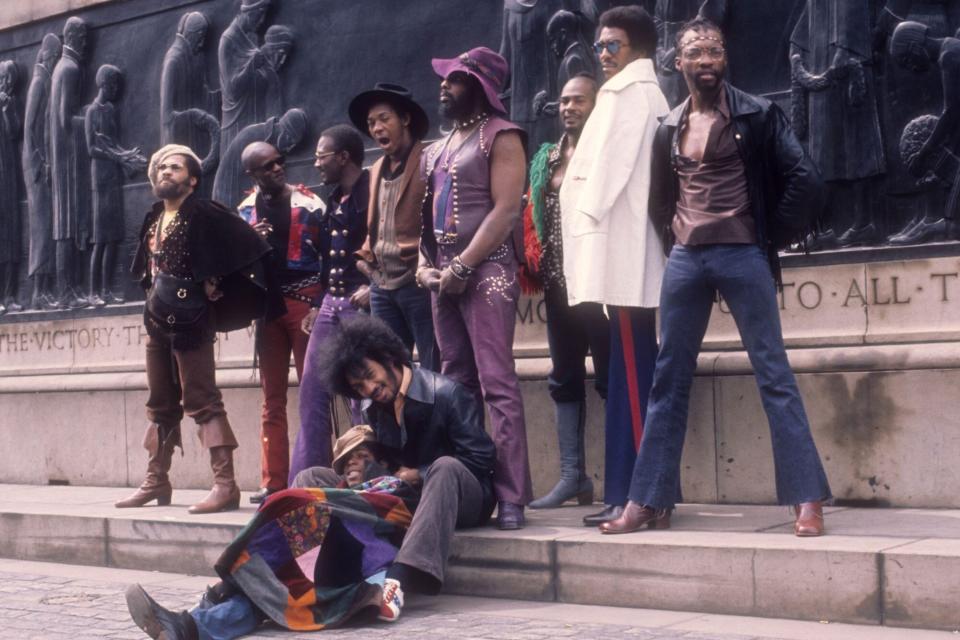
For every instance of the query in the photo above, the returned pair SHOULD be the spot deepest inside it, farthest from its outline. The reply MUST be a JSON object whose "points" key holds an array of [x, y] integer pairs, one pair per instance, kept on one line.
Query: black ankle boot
{"points": [[610, 512], [156, 621]]}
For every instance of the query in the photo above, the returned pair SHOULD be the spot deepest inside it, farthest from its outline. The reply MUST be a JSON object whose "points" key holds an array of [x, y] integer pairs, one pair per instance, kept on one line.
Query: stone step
{"points": [[896, 567]]}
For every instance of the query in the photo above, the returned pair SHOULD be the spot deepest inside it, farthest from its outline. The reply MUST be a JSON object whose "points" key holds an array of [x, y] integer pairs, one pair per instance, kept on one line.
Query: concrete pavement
{"points": [[46, 601]]}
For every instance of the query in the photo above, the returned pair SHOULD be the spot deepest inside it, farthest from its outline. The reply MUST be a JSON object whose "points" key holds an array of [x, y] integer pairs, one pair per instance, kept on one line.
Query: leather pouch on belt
{"points": [[176, 304]]}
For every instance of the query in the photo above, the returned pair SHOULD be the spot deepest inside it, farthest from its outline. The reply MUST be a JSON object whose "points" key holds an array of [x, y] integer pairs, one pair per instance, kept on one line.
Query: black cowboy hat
{"points": [[392, 94]]}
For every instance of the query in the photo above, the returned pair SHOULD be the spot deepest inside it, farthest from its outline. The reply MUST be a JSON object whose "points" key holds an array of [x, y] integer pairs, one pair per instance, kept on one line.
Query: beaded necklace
{"points": [[469, 123]]}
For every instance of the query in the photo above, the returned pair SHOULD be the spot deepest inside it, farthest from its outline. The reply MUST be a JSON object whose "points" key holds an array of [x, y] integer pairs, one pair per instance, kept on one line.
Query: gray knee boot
{"points": [[573, 478]]}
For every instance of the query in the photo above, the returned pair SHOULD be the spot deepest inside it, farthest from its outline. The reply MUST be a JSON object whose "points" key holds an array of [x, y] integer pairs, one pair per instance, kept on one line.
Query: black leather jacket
{"points": [[785, 189], [440, 418]]}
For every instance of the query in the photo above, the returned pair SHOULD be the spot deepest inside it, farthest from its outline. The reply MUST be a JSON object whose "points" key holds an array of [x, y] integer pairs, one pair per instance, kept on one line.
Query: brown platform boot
{"points": [[225, 494], [160, 442]]}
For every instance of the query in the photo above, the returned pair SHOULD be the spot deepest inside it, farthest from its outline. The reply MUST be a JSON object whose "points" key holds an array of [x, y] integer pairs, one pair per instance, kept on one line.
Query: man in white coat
{"points": [[615, 257]]}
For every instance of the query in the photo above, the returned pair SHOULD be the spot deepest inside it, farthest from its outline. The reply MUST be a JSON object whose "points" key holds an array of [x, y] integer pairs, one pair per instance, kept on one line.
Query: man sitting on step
{"points": [[429, 432], [432, 427]]}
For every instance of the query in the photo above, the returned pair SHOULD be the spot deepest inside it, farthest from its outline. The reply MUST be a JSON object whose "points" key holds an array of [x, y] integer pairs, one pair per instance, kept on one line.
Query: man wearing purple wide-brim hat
{"points": [[475, 178]]}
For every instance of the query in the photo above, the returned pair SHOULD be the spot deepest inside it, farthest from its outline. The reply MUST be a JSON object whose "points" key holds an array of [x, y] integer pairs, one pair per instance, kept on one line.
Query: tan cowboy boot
{"points": [[217, 436], [160, 442], [225, 494]]}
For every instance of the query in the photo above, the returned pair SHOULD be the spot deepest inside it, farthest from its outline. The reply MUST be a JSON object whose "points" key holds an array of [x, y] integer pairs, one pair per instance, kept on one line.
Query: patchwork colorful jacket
{"points": [[306, 211]]}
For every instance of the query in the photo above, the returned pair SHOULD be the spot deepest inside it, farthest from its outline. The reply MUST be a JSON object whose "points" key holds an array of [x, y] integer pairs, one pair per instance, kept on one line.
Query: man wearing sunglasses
{"points": [[730, 184], [474, 179], [611, 253], [288, 218]]}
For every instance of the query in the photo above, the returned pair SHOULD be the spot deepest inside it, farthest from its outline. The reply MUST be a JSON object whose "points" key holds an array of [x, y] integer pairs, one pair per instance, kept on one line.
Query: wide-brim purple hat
{"points": [[484, 64]]}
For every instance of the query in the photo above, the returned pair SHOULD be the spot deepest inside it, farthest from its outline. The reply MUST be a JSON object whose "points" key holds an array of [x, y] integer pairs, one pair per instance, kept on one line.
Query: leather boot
{"points": [[636, 517], [809, 521], [225, 494], [157, 622], [160, 441], [573, 482]]}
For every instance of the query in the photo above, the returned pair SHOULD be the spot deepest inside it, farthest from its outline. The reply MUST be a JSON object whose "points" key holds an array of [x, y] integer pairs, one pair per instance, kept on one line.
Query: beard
{"points": [[451, 110], [170, 190], [708, 84], [458, 108]]}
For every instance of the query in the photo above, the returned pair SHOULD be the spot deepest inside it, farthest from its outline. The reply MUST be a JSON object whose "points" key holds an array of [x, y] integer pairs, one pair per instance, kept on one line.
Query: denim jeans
{"points": [[313, 446], [408, 313], [741, 274], [234, 617]]}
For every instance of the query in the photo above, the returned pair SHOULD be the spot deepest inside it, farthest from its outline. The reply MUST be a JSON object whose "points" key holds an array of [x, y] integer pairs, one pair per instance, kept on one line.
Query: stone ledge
{"points": [[15, 13], [889, 357], [719, 559], [133, 377]]}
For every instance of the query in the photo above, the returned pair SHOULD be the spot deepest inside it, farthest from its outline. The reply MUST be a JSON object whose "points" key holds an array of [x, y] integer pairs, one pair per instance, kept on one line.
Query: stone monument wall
{"points": [[872, 332]]}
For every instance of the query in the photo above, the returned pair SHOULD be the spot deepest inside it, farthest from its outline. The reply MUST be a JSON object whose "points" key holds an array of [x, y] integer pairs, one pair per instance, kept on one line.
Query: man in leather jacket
{"points": [[432, 427], [204, 266], [731, 183]]}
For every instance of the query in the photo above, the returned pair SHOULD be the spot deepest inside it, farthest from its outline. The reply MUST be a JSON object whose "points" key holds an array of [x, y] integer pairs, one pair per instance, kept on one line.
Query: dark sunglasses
{"points": [[273, 164], [613, 46]]}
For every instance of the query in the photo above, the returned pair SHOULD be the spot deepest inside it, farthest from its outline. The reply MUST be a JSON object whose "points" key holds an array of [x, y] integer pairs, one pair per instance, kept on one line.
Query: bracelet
{"points": [[460, 270], [416, 276]]}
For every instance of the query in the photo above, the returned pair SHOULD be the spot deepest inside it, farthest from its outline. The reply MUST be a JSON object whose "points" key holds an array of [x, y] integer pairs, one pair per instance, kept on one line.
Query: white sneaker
{"points": [[392, 601]]}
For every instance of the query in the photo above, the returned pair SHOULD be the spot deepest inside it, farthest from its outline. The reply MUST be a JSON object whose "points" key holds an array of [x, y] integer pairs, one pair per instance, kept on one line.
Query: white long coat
{"points": [[611, 253]]}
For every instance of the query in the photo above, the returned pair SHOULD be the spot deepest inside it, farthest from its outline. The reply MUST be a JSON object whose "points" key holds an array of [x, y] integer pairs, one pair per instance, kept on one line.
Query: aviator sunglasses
{"points": [[613, 46]]}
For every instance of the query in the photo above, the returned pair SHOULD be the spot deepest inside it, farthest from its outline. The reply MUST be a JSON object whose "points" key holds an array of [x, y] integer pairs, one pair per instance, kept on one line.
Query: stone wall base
{"points": [[889, 435]]}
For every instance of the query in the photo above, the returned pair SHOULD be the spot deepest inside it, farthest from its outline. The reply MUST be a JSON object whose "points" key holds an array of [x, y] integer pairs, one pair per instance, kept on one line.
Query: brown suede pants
{"points": [[184, 382]]}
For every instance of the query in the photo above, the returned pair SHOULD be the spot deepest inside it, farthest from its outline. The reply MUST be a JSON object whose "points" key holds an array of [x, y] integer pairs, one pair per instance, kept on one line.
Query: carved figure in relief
{"points": [[36, 175], [931, 144], [66, 152], [242, 64], [574, 53], [524, 46], [277, 43], [836, 113], [186, 102], [108, 162], [9, 196], [284, 133]]}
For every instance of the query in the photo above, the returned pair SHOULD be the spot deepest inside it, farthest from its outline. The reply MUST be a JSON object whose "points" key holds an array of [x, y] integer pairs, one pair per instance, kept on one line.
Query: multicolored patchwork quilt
{"points": [[305, 557]]}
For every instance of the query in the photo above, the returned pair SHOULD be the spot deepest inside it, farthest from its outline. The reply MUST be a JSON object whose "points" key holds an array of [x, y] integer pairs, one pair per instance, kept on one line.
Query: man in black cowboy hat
{"points": [[389, 115]]}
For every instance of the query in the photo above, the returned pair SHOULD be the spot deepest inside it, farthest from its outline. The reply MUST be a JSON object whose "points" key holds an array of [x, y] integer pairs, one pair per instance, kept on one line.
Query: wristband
{"points": [[459, 269]]}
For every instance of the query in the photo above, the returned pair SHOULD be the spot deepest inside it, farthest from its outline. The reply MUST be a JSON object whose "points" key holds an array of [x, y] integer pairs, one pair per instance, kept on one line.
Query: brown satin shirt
{"points": [[713, 205]]}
